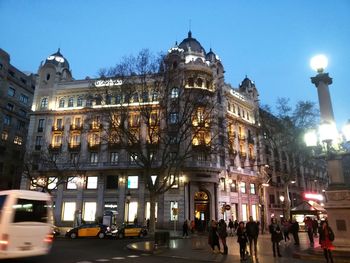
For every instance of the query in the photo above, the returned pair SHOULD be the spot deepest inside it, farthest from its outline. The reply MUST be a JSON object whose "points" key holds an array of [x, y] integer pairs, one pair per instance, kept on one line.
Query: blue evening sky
{"points": [[271, 41]]}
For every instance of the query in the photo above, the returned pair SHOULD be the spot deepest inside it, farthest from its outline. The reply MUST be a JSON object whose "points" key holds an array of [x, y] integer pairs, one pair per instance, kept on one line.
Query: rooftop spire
{"points": [[189, 34]]}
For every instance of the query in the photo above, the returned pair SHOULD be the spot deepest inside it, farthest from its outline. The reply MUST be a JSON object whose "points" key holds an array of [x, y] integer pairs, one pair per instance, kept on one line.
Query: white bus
{"points": [[25, 223]]}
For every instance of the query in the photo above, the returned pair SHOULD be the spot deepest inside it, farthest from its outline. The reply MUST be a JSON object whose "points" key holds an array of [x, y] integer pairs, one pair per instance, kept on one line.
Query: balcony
{"points": [[252, 157], [114, 145], [74, 127], [94, 146], [55, 147], [74, 147], [242, 155], [96, 126], [57, 128]]}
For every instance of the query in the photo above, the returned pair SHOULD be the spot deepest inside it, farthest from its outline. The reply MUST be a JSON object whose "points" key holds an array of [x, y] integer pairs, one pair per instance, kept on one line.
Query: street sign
{"points": [[227, 207]]}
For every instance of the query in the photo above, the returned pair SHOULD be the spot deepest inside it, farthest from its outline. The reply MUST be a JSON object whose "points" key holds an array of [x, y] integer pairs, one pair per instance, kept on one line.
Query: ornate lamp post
{"points": [[282, 201], [332, 146]]}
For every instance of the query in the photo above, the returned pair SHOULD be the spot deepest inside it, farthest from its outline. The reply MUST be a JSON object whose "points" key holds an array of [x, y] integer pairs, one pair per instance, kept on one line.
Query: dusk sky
{"points": [[271, 41]]}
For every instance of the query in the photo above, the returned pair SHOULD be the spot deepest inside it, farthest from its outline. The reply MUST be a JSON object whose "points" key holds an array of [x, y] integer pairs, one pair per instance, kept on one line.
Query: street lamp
{"points": [[128, 198], [282, 201], [326, 142]]}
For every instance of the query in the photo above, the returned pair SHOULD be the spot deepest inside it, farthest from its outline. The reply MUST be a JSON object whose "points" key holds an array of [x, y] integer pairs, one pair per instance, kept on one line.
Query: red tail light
{"points": [[48, 238], [4, 241]]}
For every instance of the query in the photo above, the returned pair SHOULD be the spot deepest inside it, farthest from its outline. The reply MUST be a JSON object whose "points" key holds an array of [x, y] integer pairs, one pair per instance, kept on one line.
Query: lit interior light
{"points": [[319, 63]]}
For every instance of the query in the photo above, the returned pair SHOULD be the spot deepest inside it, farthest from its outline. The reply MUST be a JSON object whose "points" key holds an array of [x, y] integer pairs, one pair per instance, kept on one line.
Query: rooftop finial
{"points": [[189, 34]]}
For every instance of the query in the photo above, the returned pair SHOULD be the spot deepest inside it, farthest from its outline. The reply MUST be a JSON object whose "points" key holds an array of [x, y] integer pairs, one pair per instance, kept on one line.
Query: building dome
{"points": [[191, 45], [58, 60], [211, 56]]}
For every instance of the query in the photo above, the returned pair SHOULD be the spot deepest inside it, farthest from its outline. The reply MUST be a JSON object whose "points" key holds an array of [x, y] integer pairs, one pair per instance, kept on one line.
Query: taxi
{"points": [[130, 230], [88, 230]]}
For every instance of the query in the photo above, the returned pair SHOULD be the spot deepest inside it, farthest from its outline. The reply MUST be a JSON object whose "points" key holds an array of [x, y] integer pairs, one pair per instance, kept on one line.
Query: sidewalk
{"points": [[196, 248]]}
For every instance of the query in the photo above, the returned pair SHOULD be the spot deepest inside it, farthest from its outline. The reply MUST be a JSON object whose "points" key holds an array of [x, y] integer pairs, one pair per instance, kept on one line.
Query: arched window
{"points": [[190, 82], [44, 103], [174, 93], [48, 76], [80, 102], [199, 82], [71, 102], [61, 104]]}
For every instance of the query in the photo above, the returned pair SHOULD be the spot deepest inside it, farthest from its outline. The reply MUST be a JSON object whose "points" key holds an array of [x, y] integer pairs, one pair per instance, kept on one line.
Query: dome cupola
{"points": [[191, 45], [58, 60]]}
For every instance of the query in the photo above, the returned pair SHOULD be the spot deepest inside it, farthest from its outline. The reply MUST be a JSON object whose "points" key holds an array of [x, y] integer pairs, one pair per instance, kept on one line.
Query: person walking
{"points": [[230, 226], [326, 236], [222, 232], [185, 229], [252, 233], [294, 229], [213, 238], [235, 226], [286, 228], [314, 226], [309, 229], [276, 237], [242, 239]]}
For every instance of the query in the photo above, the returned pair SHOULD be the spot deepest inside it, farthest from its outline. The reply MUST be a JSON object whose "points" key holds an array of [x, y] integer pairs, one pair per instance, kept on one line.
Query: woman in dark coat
{"points": [[326, 238], [276, 237], [213, 238], [242, 239]]}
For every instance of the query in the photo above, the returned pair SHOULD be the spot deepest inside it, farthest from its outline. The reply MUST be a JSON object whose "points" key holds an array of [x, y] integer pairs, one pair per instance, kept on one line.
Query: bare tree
{"points": [[156, 119], [284, 133]]}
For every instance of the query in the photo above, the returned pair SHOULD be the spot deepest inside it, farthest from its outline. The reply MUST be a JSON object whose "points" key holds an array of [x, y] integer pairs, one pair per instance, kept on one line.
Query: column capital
{"points": [[321, 77]]}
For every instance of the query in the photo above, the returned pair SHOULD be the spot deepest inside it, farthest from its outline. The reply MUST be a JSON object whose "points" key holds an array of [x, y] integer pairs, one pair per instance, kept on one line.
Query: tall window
{"points": [[71, 102], [242, 187], [174, 93], [44, 103], [112, 182], [91, 182], [114, 157], [24, 99], [244, 212], [59, 123], [254, 212], [11, 92], [133, 182], [233, 186], [71, 183], [18, 140], [38, 142], [93, 158], [79, 102], [61, 103], [174, 117], [252, 189], [148, 210], [89, 211], [7, 119], [174, 210], [41, 125], [4, 135], [77, 122], [75, 140], [57, 140], [52, 183], [132, 213], [68, 211]]}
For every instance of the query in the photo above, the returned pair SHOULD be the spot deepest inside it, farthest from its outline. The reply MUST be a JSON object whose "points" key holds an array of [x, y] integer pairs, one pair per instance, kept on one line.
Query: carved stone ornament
{"points": [[338, 195]]}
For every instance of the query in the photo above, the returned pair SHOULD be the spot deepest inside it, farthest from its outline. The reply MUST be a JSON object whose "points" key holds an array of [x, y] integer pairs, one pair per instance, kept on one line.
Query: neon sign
{"points": [[314, 196]]}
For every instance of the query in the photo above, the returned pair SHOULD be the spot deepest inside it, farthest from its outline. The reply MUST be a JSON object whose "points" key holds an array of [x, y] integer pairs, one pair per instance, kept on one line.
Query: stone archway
{"points": [[201, 209]]}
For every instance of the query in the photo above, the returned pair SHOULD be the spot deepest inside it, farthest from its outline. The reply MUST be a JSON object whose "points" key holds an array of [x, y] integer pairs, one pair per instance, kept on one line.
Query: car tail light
{"points": [[4, 241], [48, 238]]}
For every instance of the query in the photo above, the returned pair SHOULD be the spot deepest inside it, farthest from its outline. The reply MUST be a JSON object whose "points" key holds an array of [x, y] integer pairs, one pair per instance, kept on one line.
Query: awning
{"points": [[308, 206]]}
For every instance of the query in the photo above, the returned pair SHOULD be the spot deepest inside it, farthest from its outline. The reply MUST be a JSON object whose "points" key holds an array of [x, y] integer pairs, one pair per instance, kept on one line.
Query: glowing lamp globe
{"points": [[310, 138], [319, 63], [328, 132]]}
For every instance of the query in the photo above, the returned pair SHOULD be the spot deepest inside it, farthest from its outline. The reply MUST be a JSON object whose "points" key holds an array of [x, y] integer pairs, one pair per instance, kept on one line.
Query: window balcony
{"points": [[57, 128], [241, 137], [74, 146], [55, 147], [74, 127], [94, 146], [96, 126], [242, 154]]}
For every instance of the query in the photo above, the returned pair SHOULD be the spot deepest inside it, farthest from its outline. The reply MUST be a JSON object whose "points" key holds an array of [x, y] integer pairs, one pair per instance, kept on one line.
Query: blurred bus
{"points": [[25, 223]]}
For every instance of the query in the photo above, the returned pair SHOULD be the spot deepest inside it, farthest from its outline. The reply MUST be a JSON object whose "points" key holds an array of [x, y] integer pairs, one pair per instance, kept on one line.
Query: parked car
{"points": [[129, 230], [88, 230]]}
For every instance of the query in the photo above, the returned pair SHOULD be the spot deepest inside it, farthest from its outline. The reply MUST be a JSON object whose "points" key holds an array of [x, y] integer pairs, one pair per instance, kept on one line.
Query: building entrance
{"points": [[201, 210]]}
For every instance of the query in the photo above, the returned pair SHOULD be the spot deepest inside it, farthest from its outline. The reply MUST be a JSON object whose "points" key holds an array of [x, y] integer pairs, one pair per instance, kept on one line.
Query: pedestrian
{"points": [[213, 238], [286, 228], [147, 223], [294, 229], [235, 226], [326, 238], [314, 226], [309, 229], [242, 239], [276, 237], [185, 229], [252, 233], [230, 227], [222, 232]]}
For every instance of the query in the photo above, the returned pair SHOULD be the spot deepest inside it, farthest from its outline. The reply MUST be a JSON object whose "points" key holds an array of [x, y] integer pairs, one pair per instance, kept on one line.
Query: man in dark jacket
{"points": [[295, 230], [252, 233]]}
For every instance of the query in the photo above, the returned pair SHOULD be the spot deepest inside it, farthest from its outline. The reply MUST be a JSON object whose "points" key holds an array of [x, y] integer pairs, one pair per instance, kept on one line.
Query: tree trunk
{"points": [[152, 222]]}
